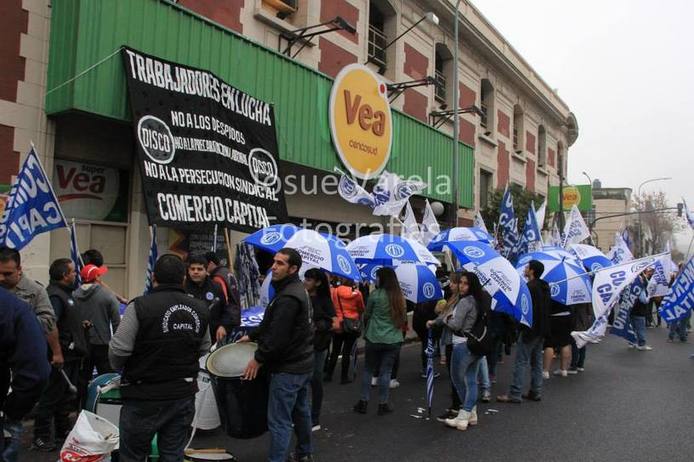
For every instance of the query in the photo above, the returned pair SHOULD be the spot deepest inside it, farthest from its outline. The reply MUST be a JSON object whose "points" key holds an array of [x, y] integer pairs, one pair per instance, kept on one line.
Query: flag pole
{"points": [[227, 240]]}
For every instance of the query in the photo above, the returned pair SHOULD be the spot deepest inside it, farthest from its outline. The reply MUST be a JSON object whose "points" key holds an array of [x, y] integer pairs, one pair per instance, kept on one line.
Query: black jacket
{"points": [[210, 293], [69, 318], [230, 287], [285, 336], [23, 352], [541, 297], [640, 308], [323, 314], [165, 359]]}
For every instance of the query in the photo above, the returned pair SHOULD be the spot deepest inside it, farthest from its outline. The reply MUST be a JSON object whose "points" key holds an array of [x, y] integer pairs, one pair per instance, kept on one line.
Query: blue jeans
{"points": [[317, 385], [464, 375], [527, 354], [679, 329], [288, 407], [483, 375], [141, 419], [378, 357], [639, 325]]}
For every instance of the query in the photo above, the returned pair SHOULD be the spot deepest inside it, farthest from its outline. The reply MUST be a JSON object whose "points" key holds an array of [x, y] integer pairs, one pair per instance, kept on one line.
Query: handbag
{"points": [[349, 326]]}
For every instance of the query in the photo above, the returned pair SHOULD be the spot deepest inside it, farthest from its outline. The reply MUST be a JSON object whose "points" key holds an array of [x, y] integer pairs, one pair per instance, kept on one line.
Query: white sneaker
{"points": [[394, 383], [561, 372], [315, 428], [572, 371], [645, 348], [374, 381], [580, 369], [545, 375], [632, 346], [472, 420]]}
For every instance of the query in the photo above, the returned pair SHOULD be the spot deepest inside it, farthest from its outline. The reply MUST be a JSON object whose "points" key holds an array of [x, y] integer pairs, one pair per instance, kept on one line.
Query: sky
{"points": [[626, 70]]}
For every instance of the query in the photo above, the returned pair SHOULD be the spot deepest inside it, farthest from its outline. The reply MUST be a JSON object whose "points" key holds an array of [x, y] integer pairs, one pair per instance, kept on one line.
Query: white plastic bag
{"points": [[92, 439]]}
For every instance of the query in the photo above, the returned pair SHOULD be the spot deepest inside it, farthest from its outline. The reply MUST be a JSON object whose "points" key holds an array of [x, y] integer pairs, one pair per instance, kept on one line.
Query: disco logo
{"points": [[344, 265], [156, 139], [272, 237], [395, 250], [555, 289], [473, 252], [263, 167], [428, 290]]}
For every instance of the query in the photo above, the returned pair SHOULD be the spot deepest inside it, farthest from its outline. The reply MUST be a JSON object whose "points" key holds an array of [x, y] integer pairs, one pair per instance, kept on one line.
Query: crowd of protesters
{"points": [[56, 337]]}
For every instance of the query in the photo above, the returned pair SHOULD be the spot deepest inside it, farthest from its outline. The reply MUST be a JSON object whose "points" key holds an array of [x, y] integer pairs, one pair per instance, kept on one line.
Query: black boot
{"points": [[384, 409], [360, 407]]}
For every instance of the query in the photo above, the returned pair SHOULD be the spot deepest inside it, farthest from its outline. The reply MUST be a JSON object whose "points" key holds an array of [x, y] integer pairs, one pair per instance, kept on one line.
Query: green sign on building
{"points": [[580, 195]]}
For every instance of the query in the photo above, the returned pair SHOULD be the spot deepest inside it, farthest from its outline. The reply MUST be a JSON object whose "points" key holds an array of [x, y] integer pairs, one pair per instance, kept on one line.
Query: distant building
{"points": [[608, 202]]}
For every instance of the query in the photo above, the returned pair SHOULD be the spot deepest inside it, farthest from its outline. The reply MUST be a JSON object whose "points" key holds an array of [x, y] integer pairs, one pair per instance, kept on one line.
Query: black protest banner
{"points": [[207, 151]]}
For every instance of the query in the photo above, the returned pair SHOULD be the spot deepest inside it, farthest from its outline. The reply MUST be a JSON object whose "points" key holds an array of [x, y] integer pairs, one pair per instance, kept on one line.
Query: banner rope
{"points": [[90, 68]]}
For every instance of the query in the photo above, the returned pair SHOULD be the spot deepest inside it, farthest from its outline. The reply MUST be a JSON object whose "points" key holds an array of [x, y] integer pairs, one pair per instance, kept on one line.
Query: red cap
{"points": [[90, 272]]}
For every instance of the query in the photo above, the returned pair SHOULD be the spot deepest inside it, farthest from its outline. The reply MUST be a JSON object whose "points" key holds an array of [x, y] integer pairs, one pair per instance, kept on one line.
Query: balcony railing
{"points": [[440, 89], [376, 45]]}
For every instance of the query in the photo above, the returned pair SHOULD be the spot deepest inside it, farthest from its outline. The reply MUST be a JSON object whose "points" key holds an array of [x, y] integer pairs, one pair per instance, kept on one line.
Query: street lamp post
{"points": [[456, 118], [638, 194]]}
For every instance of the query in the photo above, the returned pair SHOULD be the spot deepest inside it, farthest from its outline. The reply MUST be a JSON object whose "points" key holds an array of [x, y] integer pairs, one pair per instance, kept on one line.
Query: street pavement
{"points": [[627, 406]]}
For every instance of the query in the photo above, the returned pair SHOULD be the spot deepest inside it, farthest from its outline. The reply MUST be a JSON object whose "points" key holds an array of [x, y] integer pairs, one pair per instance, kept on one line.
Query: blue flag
{"points": [[430, 370], [621, 326], [531, 231], [680, 299], [32, 207], [507, 216], [151, 260], [75, 254]]}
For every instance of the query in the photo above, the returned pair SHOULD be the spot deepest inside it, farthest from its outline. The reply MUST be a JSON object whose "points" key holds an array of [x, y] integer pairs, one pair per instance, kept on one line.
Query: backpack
{"points": [[480, 339]]}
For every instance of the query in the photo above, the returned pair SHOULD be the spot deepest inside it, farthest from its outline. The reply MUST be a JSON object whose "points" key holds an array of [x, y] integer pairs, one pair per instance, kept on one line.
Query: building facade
{"points": [[64, 91], [611, 206]]}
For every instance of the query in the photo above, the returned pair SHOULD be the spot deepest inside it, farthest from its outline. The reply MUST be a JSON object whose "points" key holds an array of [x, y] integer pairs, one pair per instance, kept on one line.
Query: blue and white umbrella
{"points": [[591, 257], [388, 249], [569, 284], [459, 234], [498, 277], [417, 281], [317, 250]]}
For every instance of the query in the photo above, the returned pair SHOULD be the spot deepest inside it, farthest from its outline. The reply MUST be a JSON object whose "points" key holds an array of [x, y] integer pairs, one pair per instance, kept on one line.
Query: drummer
{"points": [[285, 349], [158, 344]]}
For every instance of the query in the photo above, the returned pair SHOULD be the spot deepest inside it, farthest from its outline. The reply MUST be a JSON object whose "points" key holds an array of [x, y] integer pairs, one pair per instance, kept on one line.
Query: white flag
{"points": [[540, 214], [479, 223], [659, 284], [430, 226], [351, 192], [575, 230], [620, 253], [609, 282], [555, 237], [391, 193], [593, 334], [409, 228], [689, 215]]}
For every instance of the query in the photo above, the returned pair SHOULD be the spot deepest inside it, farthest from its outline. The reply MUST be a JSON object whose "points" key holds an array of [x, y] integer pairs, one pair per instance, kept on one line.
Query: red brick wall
{"points": [[415, 104], [416, 63], [344, 9], [13, 21], [502, 173], [504, 124], [530, 142], [333, 57], [467, 132], [225, 12], [9, 158], [530, 175], [550, 156], [467, 96]]}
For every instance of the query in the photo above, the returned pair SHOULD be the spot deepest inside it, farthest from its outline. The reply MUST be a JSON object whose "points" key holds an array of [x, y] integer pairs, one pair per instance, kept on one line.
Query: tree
{"points": [[655, 225], [521, 203]]}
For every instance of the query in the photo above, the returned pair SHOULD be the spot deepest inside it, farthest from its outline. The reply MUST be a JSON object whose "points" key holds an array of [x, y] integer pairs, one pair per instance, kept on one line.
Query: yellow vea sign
{"points": [[571, 197], [360, 121]]}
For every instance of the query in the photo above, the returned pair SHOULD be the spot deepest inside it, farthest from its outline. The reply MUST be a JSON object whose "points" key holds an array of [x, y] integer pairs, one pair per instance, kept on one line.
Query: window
{"points": [[485, 188], [541, 146], [443, 68], [487, 106], [377, 38], [518, 129]]}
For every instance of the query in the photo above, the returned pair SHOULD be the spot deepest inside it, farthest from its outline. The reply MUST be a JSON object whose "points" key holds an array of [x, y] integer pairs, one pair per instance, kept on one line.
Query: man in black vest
{"points": [[158, 345], [57, 401], [285, 349]]}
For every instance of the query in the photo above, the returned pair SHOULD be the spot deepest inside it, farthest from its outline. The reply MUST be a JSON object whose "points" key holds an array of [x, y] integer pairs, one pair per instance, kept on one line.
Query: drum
{"points": [[206, 414], [242, 404], [103, 397]]}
